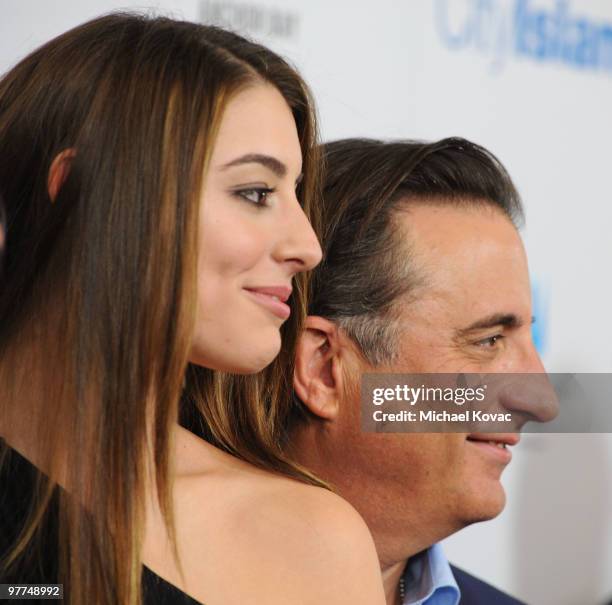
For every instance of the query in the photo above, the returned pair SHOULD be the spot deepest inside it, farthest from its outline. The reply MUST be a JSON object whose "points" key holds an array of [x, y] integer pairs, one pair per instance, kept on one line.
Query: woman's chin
{"points": [[247, 359], [257, 361]]}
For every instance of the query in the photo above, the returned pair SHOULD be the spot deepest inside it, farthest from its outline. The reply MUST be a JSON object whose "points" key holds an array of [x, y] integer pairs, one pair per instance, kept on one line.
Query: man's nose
{"points": [[529, 392], [530, 397], [297, 242]]}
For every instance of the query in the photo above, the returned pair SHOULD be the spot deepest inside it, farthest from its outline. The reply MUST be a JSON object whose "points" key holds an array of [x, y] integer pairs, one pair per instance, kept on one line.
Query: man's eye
{"points": [[257, 195], [489, 342]]}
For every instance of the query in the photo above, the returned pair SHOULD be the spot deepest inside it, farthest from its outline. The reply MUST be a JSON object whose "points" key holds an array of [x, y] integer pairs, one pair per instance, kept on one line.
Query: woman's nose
{"points": [[298, 243]]}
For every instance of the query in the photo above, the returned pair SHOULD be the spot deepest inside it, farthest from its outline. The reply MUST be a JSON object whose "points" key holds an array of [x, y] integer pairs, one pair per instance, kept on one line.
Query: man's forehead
{"points": [[437, 231], [436, 214], [469, 256]]}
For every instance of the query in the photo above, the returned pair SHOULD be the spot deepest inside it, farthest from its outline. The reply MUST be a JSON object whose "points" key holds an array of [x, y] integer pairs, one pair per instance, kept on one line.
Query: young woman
{"points": [[157, 177]]}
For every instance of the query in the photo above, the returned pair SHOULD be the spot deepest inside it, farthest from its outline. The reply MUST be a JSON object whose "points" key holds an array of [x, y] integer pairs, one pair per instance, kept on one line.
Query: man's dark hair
{"points": [[366, 264]]}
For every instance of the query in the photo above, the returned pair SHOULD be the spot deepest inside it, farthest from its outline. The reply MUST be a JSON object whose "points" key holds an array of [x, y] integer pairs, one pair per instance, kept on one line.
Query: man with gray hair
{"points": [[423, 272]]}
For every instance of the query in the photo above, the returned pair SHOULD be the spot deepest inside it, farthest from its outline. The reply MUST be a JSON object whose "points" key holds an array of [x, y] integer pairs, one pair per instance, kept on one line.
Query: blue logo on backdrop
{"points": [[505, 29], [539, 328]]}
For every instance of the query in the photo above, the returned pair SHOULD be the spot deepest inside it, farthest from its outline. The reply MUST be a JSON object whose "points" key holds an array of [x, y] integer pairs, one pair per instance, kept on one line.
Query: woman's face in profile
{"points": [[254, 236]]}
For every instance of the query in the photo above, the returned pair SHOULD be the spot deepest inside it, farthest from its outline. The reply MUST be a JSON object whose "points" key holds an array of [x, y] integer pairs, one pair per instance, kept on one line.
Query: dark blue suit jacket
{"points": [[477, 592]]}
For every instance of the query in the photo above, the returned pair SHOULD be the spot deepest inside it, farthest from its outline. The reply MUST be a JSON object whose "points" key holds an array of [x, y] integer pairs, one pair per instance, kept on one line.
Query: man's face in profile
{"points": [[471, 314]]}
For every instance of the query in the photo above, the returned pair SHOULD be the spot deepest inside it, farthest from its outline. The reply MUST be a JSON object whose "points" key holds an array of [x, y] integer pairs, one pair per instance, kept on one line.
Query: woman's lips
{"points": [[273, 299]]}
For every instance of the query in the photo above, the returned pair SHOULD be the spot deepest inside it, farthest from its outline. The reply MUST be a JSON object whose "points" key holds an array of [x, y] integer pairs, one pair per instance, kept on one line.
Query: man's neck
{"points": [[391, 576]]}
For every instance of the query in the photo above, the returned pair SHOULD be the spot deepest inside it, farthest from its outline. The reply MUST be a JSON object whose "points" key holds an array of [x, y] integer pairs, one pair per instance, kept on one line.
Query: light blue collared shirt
{"points": [[428, 579]]}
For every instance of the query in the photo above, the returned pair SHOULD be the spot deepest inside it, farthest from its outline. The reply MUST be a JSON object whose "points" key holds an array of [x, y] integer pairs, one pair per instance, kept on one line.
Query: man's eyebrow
{"points": [[270, 162], [507, 320]]}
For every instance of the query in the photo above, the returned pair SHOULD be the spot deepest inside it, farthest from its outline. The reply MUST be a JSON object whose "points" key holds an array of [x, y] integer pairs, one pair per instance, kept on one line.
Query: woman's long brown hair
{"points": [[98, 298]]}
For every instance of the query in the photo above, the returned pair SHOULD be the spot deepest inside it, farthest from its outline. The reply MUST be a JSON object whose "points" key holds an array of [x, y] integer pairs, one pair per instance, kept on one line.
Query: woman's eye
{"points": [[489, 342], [257, 196]]}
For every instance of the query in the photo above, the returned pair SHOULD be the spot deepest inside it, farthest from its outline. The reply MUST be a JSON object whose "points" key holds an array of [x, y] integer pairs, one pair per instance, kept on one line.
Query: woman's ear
{"points": [[317, 378], [59, 170]]}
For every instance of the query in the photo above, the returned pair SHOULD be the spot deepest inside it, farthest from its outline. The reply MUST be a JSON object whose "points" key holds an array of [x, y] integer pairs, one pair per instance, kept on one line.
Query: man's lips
{"points": [[273, 298], [495, 444], [503, 438]]}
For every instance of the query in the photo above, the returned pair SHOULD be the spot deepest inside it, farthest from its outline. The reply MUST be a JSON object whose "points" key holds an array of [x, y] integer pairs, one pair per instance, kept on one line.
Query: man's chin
{"points": [[486, 506]]}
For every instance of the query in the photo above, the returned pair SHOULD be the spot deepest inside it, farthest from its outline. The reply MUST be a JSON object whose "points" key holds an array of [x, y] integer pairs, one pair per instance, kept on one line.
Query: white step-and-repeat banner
{"points": [[532, 81]]}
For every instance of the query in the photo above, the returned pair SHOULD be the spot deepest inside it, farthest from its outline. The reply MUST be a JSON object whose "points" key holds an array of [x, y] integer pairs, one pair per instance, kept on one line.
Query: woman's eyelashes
{"points": [[254, 195]]}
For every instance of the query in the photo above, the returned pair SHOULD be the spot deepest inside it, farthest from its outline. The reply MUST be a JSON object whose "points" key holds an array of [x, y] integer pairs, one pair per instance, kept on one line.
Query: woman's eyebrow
{"points": [[271, 163]]}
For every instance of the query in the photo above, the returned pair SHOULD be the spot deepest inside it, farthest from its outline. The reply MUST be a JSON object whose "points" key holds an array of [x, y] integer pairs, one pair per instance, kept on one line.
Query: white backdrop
{"points": [[532, 81]]}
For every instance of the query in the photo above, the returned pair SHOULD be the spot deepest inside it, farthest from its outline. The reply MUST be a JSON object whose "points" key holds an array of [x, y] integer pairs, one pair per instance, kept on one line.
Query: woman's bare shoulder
{"points": [[292, 542]]}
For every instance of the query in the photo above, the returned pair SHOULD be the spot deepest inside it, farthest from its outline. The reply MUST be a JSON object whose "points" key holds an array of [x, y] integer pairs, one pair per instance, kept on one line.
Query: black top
{"points": [[17, 480]]}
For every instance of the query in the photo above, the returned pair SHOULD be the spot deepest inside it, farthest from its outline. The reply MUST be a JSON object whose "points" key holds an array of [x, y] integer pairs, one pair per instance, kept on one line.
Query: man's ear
{"points": [[317, 378], [59, 170]]}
